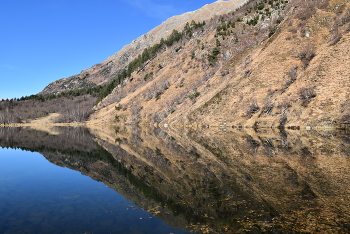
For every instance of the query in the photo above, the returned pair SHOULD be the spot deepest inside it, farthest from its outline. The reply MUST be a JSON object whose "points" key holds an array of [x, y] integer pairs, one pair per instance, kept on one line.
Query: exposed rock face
{"points": [[107, 70]]}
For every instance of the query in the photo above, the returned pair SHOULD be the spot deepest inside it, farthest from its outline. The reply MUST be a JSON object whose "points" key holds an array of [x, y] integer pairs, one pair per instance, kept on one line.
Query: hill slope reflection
{"points": [[210, 181]]}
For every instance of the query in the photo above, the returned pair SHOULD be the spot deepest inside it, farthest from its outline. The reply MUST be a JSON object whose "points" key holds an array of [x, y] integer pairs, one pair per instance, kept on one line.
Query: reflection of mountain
{"points": [[75, 148], [305, 178], [292, 181], [211, 180]]}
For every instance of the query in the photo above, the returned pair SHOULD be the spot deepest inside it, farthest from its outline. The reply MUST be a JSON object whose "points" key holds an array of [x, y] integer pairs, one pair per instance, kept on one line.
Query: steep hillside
{"points": [[101, 73], [254, 63], [270, 63]]}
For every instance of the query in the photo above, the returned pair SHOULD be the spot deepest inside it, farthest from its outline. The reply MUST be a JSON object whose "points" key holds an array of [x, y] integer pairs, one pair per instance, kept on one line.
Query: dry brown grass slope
{"points": [[290, 69]]}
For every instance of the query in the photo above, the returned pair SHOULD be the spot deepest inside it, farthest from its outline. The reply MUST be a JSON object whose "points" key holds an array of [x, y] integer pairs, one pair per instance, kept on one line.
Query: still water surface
{"points": [[39, 197], [123, 179]]}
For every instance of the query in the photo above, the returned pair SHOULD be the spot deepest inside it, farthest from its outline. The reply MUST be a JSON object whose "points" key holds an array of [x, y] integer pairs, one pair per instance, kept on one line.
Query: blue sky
{"points": [[45, 40]]}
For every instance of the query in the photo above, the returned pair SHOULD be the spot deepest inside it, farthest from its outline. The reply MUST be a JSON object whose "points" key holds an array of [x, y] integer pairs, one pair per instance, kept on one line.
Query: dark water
{"points": [[133, 180], [39, 197]]}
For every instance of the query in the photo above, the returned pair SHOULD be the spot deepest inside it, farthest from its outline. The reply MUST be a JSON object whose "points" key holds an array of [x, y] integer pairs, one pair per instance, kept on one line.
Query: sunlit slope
{"points": [[105, 71], [280, 64]]}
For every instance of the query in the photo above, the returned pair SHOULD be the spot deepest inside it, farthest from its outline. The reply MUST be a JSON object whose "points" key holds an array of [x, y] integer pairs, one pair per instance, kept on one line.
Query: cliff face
{"points": [[280, 63], [100, 74]]}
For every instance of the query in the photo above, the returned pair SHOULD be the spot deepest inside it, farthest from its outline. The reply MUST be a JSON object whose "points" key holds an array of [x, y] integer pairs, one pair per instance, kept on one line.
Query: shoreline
{"points": [[197, 126]]}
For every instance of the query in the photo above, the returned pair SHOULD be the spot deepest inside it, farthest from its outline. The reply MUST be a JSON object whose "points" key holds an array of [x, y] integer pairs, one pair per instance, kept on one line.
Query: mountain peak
{"points": [[102, 73]]}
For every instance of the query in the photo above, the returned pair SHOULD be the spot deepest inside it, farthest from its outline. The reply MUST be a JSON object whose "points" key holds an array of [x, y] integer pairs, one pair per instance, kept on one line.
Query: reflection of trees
{"points": [[302, 176], [168, 174], [69, 138], [237, 181], [212, 181]]}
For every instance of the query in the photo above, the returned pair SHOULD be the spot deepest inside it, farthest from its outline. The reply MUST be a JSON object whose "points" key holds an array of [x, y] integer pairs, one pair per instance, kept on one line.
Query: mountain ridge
{"points": [[101, 73]]}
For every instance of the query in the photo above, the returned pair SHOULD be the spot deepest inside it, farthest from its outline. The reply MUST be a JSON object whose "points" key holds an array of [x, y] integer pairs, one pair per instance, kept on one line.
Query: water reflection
{"points": [[38, 197], [211, 181]]}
